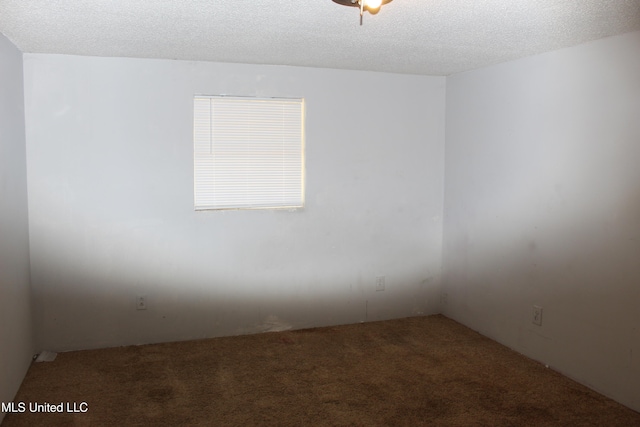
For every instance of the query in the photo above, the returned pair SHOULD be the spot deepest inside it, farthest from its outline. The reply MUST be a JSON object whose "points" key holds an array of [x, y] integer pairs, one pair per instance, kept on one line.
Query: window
{"points": [[248, 153]]}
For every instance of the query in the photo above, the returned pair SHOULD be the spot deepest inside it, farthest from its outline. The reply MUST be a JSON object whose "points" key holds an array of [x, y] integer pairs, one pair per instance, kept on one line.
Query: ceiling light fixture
{"points": [[373, 6]]}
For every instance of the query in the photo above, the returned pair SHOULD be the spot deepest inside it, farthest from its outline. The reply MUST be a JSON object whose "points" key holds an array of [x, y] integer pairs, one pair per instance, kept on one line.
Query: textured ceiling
{"points": [[433, 37]]}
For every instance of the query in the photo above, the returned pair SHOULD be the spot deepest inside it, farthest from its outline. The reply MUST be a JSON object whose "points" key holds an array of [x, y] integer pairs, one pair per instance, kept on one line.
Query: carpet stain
{"points": [[160, 395]]}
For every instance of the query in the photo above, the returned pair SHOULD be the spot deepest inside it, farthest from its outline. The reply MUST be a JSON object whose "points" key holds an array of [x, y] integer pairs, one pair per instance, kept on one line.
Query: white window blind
{"points": [[248, 153]]}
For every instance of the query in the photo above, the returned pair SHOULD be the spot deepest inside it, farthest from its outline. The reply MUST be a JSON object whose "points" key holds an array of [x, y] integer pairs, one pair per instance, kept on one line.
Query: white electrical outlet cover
{"points": [[536, 318]]}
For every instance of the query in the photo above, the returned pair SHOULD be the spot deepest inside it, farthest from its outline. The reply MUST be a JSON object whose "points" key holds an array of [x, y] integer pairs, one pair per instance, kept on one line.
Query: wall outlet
{"points": [[379, 283], [444, 298], [536, 317], [141, 302]]}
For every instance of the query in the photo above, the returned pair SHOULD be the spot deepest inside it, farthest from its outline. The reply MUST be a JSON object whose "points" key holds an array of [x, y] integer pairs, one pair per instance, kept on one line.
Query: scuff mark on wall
{"points": [[273, 324]]}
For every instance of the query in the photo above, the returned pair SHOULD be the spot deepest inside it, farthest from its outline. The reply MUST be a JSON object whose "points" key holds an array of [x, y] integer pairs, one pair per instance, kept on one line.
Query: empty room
{"points": [[324, 212]]}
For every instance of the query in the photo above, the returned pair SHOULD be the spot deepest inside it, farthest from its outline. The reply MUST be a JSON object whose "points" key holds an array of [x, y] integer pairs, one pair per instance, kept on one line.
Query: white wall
{"points": [[16, 348], [109, 146], [542, 206]]}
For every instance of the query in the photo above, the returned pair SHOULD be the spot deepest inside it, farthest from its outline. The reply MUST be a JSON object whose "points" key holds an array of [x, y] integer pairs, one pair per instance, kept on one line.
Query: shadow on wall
{"points": [[74, 316], [557, 225], [87, 276]]}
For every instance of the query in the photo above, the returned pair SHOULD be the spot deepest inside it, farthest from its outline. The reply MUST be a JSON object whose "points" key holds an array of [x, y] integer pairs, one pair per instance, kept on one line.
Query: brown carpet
{"points": [[408, 372]]}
